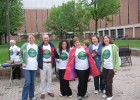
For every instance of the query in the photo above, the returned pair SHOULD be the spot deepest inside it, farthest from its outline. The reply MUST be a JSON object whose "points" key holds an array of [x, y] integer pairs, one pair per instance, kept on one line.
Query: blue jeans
{"points": [[28, 88]]}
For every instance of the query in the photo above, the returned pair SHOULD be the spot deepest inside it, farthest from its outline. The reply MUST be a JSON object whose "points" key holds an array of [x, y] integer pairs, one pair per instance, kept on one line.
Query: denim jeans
{"points": [[28, 88]]}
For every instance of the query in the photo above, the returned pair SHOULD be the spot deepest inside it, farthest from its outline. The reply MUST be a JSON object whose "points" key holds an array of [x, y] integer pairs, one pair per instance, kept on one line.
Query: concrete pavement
{"points": [[126, 86]]}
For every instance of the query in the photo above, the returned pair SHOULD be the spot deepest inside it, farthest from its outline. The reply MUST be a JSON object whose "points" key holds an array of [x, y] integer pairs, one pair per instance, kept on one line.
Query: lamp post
{"points": [[8, 24]]}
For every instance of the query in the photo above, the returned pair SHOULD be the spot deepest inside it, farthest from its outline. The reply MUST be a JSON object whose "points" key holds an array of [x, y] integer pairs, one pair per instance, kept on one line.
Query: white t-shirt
{"points": [[95, 47], [63, 59], [81, 61], [47, 53], [32, 51], [13, 52], [107, 56]]}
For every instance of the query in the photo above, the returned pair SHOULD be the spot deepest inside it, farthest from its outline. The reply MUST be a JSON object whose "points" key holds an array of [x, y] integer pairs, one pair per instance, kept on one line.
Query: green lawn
{"points": [[4, 50]]}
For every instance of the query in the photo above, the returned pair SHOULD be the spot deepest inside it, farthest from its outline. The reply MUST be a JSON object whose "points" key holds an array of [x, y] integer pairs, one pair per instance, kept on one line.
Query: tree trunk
{"points": [[0, 39], [5, 35], [96, 26]]}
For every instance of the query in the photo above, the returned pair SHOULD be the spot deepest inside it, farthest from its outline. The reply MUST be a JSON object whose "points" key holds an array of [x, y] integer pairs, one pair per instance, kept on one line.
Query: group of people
{"points": [[99, 59]]}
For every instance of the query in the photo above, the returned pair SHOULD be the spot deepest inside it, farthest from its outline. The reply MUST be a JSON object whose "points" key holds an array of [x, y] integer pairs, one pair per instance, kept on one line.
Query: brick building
{"points": [[125, 24]]}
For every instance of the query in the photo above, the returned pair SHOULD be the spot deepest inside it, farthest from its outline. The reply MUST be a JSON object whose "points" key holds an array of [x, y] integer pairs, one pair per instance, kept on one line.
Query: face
{"points": [[106, 40], [94, 40], [77, 44], [64, 45], [11, 44], [46, 39], [31, 39]]}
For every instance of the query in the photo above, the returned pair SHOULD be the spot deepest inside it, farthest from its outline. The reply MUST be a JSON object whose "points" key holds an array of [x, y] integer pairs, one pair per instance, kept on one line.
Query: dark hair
{"points": [[96, 37], [110, 40], [71, 43], [60, 46]]}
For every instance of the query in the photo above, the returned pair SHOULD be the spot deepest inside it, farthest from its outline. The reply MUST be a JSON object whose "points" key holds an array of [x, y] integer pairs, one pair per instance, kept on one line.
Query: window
{"points": [[120, 33], [106, 32], [113, 34], [100, 34]]}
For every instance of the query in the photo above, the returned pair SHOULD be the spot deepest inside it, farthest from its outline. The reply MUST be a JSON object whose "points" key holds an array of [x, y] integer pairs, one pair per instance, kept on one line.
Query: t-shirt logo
{"points": [[82, 55], [63, 56], [47, 54], [11, 52], [106, 54], [32, 53]]}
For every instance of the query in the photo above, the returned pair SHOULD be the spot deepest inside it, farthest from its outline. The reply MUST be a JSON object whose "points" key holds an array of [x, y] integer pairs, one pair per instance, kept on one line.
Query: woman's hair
{"points": [[71, 43], [13, 42], [96, 37], [60, 46], [110, 40], [75, 39], [86, 42]]}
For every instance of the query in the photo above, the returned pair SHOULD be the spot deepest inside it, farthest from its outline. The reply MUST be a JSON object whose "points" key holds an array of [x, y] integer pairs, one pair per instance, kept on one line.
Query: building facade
{"points": [[126, 24]]}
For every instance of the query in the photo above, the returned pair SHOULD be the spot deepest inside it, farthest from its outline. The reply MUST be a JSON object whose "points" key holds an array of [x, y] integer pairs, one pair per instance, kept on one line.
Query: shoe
{"points": [[42, 96], [51, 94], [34, 98], [104, 96], [61, 95], [109, 98], [86, 95], [79, 98], [104, 91], [96, 92], [70, 96]]}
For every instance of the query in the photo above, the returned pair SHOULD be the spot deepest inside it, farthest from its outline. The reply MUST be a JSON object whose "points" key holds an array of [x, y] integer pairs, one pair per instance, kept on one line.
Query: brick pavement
{"points": [[126, 86]]}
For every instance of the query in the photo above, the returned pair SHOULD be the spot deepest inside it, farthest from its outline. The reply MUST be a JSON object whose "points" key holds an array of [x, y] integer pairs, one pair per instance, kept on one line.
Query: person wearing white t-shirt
{"points": [[63, 52], [28, 58], [46, 59], [110, 64], [80, 64], [14, 56]]}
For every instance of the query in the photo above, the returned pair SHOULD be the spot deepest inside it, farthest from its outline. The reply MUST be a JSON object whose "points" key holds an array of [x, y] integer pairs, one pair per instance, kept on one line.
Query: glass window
{"points": [[113, 34], [106, 32], [120, 33], [100, 34]]}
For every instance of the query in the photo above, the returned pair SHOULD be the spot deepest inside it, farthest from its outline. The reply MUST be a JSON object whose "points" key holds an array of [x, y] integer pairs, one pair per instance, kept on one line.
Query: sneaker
{"points": [[42, 96], [51, 94], [86, 95], [60, 95], [104, 91], [70, 96], [34, 98], [104, 96], [96, 92], [79, 98], [109, 98]]}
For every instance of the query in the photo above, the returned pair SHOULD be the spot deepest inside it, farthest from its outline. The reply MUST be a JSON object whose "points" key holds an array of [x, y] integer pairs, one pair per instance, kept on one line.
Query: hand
{"points": [[93, 54], [101, 69], [24, 65]]}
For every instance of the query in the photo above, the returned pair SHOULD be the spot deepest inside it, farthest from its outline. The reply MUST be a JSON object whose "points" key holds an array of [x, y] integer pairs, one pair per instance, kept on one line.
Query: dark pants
{"points": [[108, 76], [83, 80], [16, 72], [99, 82], [64, 84]]}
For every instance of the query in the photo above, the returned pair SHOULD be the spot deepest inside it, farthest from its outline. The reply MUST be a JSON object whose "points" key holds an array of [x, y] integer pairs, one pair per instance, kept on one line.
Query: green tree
{"points": [[70, 17], [15, 16], [100, 9]]}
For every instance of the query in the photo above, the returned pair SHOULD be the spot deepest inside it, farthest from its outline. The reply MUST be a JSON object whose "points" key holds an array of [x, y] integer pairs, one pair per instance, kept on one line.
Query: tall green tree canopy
{"points": [[100, 9], [15, 16], [69, 17]]}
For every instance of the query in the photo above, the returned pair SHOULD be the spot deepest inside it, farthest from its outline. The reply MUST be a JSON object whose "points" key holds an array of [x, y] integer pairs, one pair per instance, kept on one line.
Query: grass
{"points": [[4, 47]]}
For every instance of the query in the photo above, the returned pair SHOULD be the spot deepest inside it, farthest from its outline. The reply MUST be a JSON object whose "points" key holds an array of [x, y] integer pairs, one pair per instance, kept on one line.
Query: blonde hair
{"points": [[75, 39], [13, 42]]}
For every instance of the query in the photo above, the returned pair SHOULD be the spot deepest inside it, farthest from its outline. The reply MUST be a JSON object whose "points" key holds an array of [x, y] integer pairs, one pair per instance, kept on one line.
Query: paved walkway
{"points": [[126, 86]]}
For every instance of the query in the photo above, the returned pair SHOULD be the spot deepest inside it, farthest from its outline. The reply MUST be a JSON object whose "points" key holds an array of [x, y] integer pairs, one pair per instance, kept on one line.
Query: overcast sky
{"points": [[41, 4]]}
